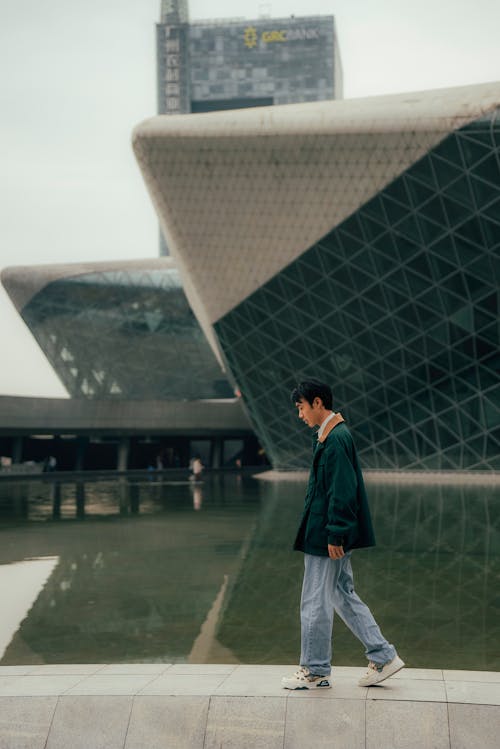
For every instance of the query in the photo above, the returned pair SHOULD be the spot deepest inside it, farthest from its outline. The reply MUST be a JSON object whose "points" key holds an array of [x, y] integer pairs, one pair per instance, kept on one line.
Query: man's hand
{"points": [[335, 552]]}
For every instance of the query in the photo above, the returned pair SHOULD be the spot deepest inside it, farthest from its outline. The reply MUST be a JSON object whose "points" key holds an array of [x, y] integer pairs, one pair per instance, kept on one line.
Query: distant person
{"points": [[50, 464], [197, 468], [336, 520]]}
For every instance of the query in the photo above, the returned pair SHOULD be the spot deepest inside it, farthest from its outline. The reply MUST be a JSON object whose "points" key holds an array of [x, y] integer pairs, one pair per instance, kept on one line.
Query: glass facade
{"points": [[126, 334], [398, 309]]}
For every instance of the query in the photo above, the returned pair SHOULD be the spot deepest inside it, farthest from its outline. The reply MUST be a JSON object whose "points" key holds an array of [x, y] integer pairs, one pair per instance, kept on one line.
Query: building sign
{"points": [[251, 36], [172, 86]]}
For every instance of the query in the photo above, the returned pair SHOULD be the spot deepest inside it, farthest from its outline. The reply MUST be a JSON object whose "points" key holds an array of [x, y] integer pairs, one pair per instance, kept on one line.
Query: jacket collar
{"points": [[337, 419]]}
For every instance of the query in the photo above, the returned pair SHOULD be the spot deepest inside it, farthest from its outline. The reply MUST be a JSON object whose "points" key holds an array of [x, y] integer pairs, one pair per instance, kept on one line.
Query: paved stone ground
{"points": [[148, 706]]}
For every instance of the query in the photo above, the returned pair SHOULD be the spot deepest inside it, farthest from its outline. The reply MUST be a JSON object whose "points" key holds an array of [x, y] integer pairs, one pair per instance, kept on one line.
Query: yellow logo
{"points": [[250, 37], [273, 36]]}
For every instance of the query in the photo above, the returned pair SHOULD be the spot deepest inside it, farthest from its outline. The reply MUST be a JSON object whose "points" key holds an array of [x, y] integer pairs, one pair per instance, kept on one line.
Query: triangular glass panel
{"points": [[395, 211], [488, 377], [489, 170], [449, 150], [464, 318], [373, 229], [440, 333], [396, 191], [274, 286], [406, 248], [308, 272], [353, 227], [419, 193], [432, 299], [473, 150], [306, 307], [455, 212], [409, 229], [423, 172], [491, 233], [394, 299], [444, 171], [451, 302], [471, 230], [442, 268], [483, 191], [361, 280], [374, 209], [487, 343], [431, 231], [350, 244], [455, 283], [292, 278], [420, 264], [466, 251], [479, 135], [397, 279], [330, 243], [492, 413], [364, 260], [417, 283], [383, 264], [492, 211]]}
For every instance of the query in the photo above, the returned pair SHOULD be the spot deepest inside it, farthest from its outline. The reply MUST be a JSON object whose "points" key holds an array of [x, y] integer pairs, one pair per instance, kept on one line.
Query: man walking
{"points": [[336, 519]]}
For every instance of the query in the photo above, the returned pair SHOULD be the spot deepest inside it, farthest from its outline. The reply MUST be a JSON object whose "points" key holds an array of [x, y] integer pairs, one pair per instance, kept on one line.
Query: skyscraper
{"points": [[212, 65]]}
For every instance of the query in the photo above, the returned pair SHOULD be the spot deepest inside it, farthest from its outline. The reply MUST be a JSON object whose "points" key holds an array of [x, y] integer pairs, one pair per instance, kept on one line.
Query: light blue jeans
{"points": [[328, 587]]}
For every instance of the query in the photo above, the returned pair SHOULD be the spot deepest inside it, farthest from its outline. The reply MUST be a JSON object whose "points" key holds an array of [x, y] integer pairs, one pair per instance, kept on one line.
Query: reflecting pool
{"points": [[132, 569]]}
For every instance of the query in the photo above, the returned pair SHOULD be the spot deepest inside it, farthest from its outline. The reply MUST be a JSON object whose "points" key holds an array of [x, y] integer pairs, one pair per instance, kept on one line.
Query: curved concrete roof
{"points": [[241, 194], [23, 282]]}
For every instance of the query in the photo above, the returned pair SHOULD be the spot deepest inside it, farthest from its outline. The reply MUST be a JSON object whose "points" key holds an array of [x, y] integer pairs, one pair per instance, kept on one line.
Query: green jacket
{"points": [[336, 506]]}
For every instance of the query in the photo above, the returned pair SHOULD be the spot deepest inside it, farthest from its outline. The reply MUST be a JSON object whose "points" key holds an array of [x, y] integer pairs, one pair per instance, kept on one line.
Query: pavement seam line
{"points": [[52, 721], [448, 719], [206, 722], [287, 697], [132, 702]]}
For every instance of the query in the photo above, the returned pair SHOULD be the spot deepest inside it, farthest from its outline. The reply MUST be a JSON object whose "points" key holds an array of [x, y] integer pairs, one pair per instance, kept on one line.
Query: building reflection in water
{"points": [[175, 571]]}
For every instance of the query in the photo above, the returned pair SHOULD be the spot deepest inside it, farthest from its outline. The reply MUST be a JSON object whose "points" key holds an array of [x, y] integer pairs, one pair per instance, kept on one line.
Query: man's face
{"points": [[310, 415]]}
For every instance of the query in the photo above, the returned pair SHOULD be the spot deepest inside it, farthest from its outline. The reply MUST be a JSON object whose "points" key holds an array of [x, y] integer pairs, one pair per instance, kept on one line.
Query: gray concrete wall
{"points": [[55, 415]]}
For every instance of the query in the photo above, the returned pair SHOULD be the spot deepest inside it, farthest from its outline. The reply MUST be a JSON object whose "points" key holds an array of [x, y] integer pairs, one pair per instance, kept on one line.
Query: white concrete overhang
{"points": [[241, 194], [23, 282]]}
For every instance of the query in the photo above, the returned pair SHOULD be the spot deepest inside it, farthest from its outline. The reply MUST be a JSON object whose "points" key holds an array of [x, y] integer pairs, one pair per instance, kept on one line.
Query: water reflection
{"points": [[177, 571]]}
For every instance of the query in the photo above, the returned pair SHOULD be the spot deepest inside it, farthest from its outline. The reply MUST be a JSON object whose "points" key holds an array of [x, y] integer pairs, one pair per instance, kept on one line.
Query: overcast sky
{"points": [[77, 77]]}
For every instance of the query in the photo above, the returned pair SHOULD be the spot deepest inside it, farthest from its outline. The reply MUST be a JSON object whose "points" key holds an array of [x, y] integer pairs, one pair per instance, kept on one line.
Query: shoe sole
{"points": [[399, 667], [307, 689]]}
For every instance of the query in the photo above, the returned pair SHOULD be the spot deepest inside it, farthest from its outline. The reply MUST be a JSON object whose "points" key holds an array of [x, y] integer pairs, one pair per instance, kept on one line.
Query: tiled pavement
{"points": [[148, 706]]}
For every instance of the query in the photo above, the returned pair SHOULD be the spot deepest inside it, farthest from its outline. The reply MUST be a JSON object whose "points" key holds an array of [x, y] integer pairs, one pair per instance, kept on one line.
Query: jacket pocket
{"points": [[316, 532]]}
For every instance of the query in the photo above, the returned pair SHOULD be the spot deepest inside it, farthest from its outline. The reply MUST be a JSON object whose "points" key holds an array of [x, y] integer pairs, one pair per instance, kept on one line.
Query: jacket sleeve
{"points": [[342, 496]]}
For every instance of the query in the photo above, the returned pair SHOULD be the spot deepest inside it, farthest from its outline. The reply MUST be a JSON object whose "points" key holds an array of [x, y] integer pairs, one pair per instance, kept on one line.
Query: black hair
{"points": [[308, 390]]}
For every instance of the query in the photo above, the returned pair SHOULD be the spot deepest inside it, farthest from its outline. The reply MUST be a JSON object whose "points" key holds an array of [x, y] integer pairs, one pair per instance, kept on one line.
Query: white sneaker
{"points": [[377, 672], [304, 679]]}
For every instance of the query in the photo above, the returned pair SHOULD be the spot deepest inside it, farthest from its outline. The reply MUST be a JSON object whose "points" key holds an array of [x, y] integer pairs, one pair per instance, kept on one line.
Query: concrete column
{"points": [[80, 499], [56, 500], [123, 452], [81, 445], [123, 494], [17, 449], [217, 448]]}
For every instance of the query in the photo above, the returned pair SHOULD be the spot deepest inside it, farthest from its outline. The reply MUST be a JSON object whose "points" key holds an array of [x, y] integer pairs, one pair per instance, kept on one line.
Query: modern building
{"points": [[125, 331], [145, 386], [231, 64], [225, 64], [357, 241], [120, 330]]}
